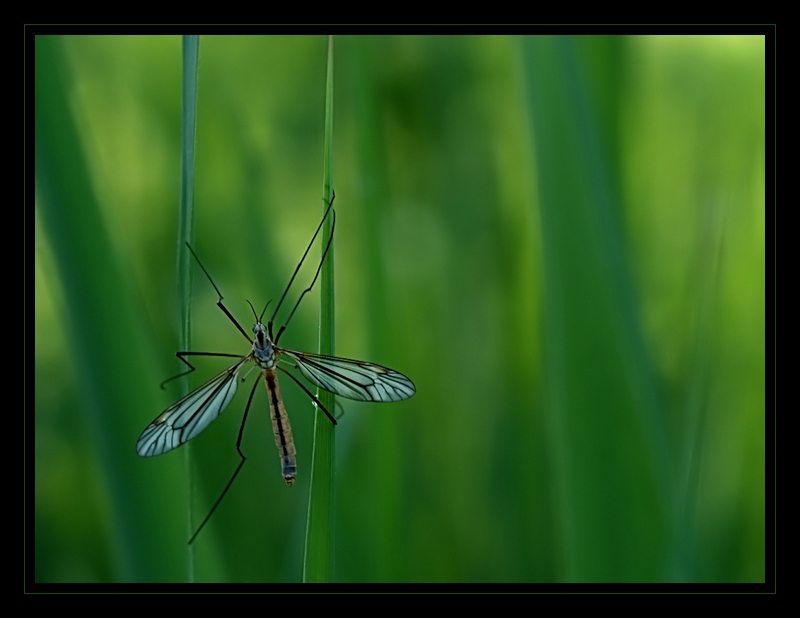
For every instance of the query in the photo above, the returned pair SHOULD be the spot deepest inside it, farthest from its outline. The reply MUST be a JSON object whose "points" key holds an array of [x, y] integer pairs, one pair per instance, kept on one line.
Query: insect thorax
{"points": [[264, 360], [263, 352]]}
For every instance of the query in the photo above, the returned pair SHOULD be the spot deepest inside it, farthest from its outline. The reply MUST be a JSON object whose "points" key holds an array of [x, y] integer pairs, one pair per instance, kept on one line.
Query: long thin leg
{"points": [[181, 355], [296, 270], [219, 301], [341, 409], [310, 394], [308, 289], [239, 467]]}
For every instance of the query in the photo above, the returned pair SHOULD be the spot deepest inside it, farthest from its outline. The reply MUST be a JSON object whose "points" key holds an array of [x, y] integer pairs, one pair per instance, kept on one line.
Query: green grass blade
{"points": [[108, 344], [191, 50], [384, 449], [317, 559], [606, 420], [683, 563]]}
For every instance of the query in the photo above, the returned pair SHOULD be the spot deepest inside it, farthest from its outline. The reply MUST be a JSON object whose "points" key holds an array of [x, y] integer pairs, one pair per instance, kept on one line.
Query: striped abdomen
{"points": [[281, 427]]}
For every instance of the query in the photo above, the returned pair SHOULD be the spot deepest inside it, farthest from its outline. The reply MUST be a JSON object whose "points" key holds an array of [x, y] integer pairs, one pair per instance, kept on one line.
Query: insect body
{"points": [[353, 379]]}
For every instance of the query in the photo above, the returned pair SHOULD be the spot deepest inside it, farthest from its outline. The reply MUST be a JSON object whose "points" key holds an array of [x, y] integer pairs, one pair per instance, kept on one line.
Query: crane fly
{"points": [[353, 379]]}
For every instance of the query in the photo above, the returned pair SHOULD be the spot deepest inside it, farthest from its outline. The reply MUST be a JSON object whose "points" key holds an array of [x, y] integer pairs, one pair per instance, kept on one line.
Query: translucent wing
{"points": [[353, 379], [188, 417]]}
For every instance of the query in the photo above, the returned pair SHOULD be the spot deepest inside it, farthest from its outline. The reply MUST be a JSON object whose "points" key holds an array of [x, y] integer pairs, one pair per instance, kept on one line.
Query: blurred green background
{"points": [[560, 240]]}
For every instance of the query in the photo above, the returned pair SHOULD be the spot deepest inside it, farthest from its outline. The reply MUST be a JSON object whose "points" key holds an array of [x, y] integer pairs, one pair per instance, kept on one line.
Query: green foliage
{"points": [[319, 525], [560, 240]]}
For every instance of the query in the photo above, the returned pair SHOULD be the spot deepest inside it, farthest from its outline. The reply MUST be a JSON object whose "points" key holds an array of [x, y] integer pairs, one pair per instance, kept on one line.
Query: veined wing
{"points": [[353, 379], [188, 417]]}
